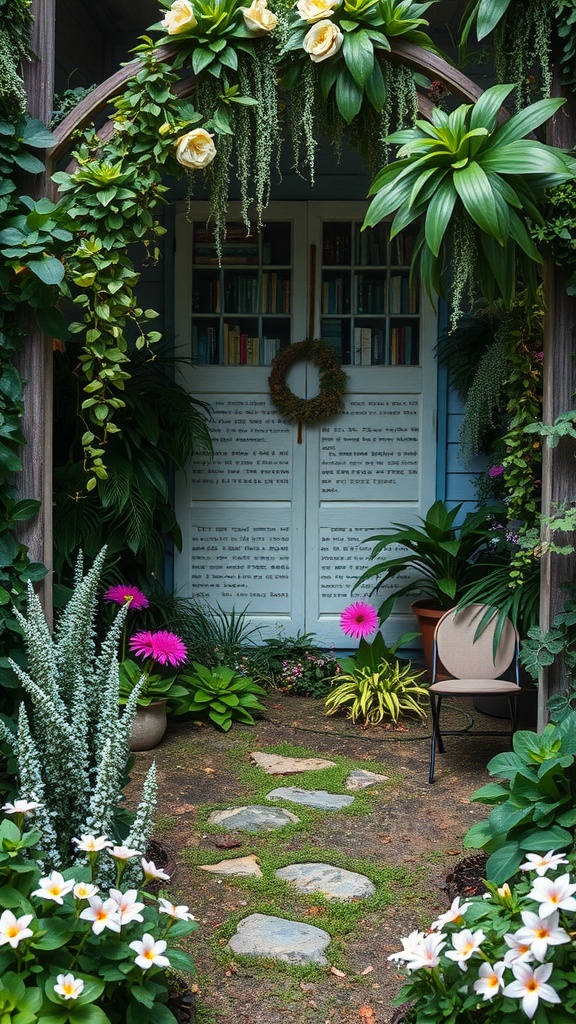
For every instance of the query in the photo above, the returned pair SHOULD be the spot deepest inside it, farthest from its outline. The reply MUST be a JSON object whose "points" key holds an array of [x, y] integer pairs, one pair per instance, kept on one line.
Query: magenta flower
{"points": [[359, 620], [124, 593], [495, 471], [539, 356], [164, 647]]}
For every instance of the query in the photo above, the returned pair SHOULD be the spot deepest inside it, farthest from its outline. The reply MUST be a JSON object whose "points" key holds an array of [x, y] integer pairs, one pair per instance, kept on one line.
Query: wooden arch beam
{"points": [[402, 52]]}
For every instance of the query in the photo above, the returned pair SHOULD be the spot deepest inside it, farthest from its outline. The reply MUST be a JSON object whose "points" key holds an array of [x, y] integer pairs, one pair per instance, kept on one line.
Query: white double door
{"points": [[276, 523]]}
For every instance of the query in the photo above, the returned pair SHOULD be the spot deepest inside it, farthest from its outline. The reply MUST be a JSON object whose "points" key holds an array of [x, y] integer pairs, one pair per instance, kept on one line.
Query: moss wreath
{"points": [[333, 381]]}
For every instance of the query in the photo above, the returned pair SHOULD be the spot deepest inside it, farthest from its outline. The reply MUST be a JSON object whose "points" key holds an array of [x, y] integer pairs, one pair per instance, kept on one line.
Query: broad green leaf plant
{"points": [[222, 695], [372, 694], [478, 184]]}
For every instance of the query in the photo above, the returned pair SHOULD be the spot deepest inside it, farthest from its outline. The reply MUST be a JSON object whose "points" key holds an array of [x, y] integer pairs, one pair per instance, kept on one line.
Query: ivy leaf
{"points": [[49, 270]]}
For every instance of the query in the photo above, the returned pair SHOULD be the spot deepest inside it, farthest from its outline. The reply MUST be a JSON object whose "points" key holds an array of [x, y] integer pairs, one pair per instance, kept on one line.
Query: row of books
{"points": [[373, 347], [238, 348], [370, 248], [276, 291], [403, 297], [336, 295]]}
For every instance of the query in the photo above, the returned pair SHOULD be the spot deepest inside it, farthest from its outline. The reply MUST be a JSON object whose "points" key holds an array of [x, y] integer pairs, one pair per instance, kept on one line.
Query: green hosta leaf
{"points": [[358, 53], [440, 210], [348, 96], [492, 793], [477, 195], [490, 12], [504, 863], [540, 840], [201, 58]]}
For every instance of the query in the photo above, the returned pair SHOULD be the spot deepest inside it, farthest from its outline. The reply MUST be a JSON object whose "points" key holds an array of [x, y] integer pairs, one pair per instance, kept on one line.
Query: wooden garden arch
{"points": [[559, 369]]}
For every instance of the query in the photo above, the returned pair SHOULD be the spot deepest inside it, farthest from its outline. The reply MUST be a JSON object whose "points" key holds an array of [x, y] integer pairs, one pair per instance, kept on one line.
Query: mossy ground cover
{"points": [[402, 833]]}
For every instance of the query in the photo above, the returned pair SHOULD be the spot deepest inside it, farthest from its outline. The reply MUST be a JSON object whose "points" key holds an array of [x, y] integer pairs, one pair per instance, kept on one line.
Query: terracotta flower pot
{"points": [[149, 726], [428, 617]]}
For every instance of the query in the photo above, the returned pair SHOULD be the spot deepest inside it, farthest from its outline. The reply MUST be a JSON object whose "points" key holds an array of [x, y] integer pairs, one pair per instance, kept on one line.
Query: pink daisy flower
{"points": [[164, 647], [359, 620], [124, 593]]}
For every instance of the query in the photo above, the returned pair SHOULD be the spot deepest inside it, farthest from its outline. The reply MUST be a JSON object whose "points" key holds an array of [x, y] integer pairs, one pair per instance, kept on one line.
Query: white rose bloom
{"points": [[322, 41], [315, 10], [258, 18], [179, 18], [195, 149]]}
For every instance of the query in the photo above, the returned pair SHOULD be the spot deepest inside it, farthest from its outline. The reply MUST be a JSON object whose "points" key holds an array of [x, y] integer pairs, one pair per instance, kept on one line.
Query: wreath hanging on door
{"points": [[333, 381]]}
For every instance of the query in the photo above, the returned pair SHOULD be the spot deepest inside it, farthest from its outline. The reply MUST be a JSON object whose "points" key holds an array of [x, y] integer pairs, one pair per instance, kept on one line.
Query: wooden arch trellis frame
{"points": [[559, 367]]}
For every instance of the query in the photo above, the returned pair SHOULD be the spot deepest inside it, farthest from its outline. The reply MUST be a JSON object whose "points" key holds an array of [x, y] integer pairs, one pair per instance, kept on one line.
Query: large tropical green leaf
{"points": [[358, 54], [348, 96], [490, 12], [440, 210], [476, 193], [525, 121]]}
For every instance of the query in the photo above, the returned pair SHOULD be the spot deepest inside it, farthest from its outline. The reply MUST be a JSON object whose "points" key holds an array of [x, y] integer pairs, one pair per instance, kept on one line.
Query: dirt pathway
{"points": [[409, 832]]}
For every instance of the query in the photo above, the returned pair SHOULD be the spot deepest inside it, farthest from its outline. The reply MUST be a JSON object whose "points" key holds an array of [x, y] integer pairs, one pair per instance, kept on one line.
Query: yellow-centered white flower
{"points": [[465, 944], [455, 914], [124, 853], [68, 986], [14, 929], [179, 18], [128, 908], [557, 894], [181, 913], [322, 41], [539, 933], [195, 150], [21, 807], [149, 952], [102, 915], [542, 863], [489, 982], [84, 890], [530, 986], [315, 10], [54, 887], [258, 18], [93, 844], [151, 872]]}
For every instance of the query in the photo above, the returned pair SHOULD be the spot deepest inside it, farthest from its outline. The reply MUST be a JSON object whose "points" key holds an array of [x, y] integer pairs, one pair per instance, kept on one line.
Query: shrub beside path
{"points": [[395, 838]]}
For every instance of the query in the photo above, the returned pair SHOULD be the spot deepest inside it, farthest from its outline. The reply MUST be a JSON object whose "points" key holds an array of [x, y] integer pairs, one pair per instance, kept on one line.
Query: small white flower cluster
{"points": [[527, 948]]}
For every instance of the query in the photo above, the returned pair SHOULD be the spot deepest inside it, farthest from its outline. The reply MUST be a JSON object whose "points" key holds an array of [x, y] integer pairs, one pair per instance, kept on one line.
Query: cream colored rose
{"points": [[258, 18], [323, 40], [314, 10], [195, 149], [179, 18]]}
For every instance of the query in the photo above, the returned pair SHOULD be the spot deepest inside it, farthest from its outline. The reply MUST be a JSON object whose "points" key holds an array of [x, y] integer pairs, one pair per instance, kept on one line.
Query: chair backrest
{"points": [[465, 657]]}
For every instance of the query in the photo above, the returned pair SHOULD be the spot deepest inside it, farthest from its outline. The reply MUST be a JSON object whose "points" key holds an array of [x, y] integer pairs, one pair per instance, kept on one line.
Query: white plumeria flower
{"points": [[530, 986], [541, 933], [149, 952], [68, 986], [489, 982], [93, 844], [517, 951], [151, 872], [426, 953], [14, 929], [553, 894], [54, 887], [128, 908], [21, 807], [124, 853], [410, 944], [102, 914], [181, 913], [465, 943], [541, 864], [456, 913], [84, 890]]}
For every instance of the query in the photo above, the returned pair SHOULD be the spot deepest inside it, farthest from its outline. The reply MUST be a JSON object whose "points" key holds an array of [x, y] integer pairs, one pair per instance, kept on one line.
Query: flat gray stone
{"points": [[318, 798], [276, 938], [333, 883], [243, 866], [254, 818], [360, 778], [275, 764]]}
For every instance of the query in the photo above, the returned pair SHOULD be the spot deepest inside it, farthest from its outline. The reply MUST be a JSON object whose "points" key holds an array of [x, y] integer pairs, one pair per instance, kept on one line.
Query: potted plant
{"points": [[443, 560], [160, 649]]}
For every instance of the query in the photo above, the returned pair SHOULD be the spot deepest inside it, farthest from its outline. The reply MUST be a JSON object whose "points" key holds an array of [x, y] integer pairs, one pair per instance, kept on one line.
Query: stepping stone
{"points": [[333, 883], [253, 819], [360, 778], [275, 764], [243, 866], [318, 798], [276, 938]]}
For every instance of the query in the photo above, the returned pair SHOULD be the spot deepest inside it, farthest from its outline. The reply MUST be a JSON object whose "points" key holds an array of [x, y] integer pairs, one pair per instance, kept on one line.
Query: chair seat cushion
{"points": [[475, 687]]}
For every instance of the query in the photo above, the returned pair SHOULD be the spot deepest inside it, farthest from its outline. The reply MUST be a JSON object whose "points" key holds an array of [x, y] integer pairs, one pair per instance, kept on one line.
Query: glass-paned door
{"points": [[275, 522]]}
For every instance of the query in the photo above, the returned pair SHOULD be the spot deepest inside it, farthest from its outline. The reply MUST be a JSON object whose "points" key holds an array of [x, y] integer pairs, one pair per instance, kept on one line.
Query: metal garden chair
{"points": [[474, 666]]}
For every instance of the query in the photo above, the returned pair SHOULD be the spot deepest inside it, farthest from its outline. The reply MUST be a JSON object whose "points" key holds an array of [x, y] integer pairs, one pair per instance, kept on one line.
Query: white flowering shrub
{"points": [[72, 744], [71, 953], [509, 956]]}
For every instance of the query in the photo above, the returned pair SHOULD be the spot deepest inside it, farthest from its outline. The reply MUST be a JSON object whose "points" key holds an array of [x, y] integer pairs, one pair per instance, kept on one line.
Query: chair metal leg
{"points": [[436, 738]]}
